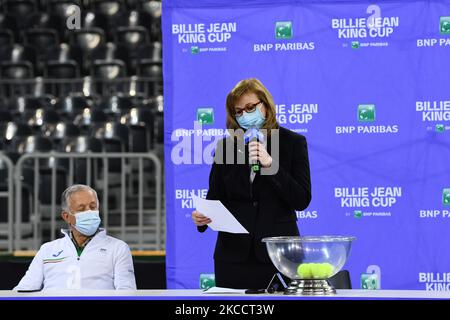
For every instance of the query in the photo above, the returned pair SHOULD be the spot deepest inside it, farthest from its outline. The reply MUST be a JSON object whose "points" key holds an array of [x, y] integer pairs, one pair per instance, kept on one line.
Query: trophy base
{"points": [[310, 287]]}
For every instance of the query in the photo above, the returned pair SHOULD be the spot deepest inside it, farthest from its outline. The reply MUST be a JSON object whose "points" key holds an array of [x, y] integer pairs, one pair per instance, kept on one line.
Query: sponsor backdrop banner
{"points": [[366, 83]]}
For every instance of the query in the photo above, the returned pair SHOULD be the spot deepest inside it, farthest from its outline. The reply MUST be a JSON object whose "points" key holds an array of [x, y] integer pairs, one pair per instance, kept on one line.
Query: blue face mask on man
{"points": [[253, 119], [87, 222]]}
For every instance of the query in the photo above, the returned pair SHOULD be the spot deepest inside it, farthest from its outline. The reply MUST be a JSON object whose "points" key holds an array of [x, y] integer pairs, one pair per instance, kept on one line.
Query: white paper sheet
{"points": [[221, 218], [220, 290]]}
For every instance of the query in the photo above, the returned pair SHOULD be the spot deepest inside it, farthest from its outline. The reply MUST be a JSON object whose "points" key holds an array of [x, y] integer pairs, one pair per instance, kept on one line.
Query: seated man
{"points": [[85, 258]]}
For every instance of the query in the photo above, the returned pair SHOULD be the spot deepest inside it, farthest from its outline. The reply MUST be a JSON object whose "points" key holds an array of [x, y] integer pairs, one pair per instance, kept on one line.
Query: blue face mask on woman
{"points": [[87, 222], [253, 119]]}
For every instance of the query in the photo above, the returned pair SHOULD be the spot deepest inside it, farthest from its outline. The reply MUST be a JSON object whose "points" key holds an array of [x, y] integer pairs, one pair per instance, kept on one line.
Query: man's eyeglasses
{"points": [[249, 108]]}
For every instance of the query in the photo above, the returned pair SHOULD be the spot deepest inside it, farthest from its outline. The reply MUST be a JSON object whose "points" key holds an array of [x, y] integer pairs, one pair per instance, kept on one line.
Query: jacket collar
{"points": [[101, 233]]}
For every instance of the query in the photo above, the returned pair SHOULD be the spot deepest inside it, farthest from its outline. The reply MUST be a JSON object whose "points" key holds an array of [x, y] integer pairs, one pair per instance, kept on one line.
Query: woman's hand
{"points": [[199, 219], [259, 153]]}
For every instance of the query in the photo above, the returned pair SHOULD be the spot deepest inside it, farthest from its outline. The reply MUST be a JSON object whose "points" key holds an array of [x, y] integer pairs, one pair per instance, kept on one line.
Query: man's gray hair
{"points": [[74, 189]]}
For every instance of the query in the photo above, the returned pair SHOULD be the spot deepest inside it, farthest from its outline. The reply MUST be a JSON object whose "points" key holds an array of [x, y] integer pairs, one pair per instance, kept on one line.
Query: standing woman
{"points": [[264, 204]]}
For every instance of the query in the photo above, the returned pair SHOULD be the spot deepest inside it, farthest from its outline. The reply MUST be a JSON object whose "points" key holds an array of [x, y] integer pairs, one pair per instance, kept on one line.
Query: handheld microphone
{"points": [[253, 134]]}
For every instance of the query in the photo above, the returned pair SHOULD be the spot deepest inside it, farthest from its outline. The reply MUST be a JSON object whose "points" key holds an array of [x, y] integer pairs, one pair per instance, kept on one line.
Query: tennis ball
{"points": [[304, 271], [328, 269], [316, 270], [322, 270]]}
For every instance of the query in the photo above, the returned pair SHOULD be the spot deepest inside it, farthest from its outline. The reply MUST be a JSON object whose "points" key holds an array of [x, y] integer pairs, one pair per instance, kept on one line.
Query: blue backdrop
{"points": [[366, 83]]}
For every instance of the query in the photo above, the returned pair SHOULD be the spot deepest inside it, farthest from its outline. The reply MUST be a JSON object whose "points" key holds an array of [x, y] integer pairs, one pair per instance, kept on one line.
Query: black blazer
{"points": [[265, 207]]}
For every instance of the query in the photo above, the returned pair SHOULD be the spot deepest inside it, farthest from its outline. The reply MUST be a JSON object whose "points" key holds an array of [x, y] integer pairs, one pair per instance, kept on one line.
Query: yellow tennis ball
{"points": [[328, 269], [322, 270], [315, 270], [304, 271]]}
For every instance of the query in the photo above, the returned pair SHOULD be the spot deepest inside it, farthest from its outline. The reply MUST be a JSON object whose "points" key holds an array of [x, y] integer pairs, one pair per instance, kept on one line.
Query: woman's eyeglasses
{"points": [[249, 108]]}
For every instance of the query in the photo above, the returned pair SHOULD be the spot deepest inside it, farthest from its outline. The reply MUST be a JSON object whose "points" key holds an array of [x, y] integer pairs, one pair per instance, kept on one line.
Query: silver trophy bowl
{"points": [[309, 261]]}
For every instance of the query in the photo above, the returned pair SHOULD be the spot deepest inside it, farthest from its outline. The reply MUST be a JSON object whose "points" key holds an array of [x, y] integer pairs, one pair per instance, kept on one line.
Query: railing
{"points": [[134, 86], [47, 174], [7, 195]]}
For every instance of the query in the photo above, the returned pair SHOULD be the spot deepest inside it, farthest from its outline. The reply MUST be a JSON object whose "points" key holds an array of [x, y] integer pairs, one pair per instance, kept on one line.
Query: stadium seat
{"points": [[112, 130], [132, 4], [45, 182], [34, 144], [44, 20], [85, 42], [20, 104], [3, 103], [150, 69], [116, 105], [154, 9], [5, 116], [109, 52], [22, 144], [64, 52], [141, 124], [41, 39], [135, 18], [20, 9], [152, 72], [6, 37], [30, 144], [16, 70], [141, 116], [8, 22], [140, 138], [61, 70], [87, 39], [90, 19], [147, 52], [159, 118], [17, 53], [114, 138], [108, 69], [10, 130], [62, 8], [151, 52], [37, 118], [107, 7], [25, 200], [109, 11], [64, 70], [16, 62], [37, 89], [132, 38], [89, 117], [80, 144], [71, 106], [59, 131], [109, 76]]}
